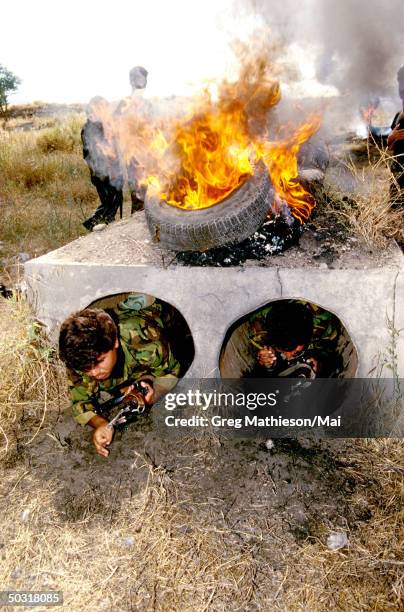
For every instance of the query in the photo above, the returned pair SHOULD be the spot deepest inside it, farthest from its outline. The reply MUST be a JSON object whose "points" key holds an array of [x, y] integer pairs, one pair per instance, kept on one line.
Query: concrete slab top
{"points": [[128, 243]]}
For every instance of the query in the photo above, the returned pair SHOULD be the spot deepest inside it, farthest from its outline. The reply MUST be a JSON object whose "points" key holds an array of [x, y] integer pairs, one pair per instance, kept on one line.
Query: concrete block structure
{"points": [[122, 259]]}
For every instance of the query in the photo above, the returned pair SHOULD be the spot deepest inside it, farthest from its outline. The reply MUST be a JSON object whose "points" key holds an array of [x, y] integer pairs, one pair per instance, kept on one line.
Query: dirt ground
{"points": [[192, 523], [292, 486]]}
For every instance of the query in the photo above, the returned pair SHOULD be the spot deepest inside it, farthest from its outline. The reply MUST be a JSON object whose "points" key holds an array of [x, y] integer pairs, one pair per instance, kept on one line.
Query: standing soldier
{"points": [[133, 107], [101, 153]]}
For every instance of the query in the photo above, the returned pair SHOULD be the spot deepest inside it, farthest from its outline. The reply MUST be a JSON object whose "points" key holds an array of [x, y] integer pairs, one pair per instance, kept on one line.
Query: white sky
{"points": [[72, 50], [68, 51]]}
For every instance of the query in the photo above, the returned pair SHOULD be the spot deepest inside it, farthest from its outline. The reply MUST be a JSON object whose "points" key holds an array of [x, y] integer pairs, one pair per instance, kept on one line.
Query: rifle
{"points": [[128, 404]]}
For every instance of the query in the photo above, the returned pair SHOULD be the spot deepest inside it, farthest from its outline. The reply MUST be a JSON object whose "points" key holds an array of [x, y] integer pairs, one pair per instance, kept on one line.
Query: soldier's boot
{"points": [[106, 212], [103, 214], [91, 222]]}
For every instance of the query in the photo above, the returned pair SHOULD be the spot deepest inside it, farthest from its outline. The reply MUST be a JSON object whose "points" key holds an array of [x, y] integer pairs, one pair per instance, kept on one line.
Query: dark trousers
{"points": [[137, 194], [111, 198], [137, 202]]}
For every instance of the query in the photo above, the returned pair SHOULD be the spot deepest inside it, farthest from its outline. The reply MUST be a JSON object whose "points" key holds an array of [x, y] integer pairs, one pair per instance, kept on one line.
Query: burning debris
{"points": [[197, 161], [368, 111], [273, 237]]}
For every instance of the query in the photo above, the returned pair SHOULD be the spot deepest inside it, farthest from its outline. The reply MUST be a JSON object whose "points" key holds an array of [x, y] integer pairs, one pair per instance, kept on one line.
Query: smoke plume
{"points": [[358, 44]]}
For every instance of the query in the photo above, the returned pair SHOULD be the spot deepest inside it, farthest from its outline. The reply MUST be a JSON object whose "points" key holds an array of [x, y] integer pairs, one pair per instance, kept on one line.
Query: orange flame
{"points": [[198, 161], [281, 160], [367, 113], [214, 153]]}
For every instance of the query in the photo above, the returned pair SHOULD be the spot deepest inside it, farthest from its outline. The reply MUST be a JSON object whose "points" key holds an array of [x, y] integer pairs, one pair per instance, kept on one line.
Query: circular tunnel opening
{"points": [[288, 338], [174, 328]]}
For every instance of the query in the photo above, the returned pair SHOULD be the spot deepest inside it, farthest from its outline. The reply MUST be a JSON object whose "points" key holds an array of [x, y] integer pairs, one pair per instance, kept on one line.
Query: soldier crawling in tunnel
{"points": [[293, 339], [103, 350]]}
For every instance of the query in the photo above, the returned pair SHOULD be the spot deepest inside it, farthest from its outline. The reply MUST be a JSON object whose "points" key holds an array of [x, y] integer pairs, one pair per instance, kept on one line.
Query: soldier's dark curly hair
{"points": [[289, 324], [84, 336]]}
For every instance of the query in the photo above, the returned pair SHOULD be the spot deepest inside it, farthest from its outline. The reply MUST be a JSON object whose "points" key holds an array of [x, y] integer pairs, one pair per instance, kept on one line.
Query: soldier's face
{"points": [[105, 364], [139, 81]]}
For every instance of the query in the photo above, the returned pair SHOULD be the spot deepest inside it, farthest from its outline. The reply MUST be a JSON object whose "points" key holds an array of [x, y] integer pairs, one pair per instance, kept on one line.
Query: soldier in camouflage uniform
{"points": [[294, 339], [102, 349]]}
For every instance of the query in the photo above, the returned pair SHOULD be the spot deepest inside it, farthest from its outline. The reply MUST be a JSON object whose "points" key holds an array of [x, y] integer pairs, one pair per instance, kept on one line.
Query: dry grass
{"points": [[151, 555], [366, 209], [30, 122], [45, 191], [32, 380], [369, 574], [167, 547], [64, 136]]}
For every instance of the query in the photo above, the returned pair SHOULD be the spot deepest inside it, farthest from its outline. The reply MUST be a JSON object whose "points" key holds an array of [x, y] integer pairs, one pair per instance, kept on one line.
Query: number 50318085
{"points": [[31, 598]]}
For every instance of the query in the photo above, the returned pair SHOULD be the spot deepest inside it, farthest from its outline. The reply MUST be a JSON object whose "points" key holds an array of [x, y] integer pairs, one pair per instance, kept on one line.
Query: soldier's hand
{"points": [[313, 364], [267, 357], [149, 396], [395, 135], [102, 437]]}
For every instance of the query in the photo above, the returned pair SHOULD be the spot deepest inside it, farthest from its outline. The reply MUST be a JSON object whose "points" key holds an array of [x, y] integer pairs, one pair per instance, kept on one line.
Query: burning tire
{"points": [[228, 222]]}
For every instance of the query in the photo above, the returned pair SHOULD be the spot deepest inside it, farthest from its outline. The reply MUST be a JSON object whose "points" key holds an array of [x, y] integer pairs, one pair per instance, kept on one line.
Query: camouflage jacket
{"points": [[143, 353]]}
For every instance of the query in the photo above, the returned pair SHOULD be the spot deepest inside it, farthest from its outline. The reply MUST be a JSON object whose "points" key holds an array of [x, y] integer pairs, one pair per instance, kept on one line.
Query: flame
{"points": [[367, 114], [368, 111], [198, 160], [214, 153], [281, 160]]}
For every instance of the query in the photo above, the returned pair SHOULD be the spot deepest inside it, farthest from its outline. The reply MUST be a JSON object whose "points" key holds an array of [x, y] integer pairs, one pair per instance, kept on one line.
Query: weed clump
{"points": [[30, 374], [64, 137], [358, 197]]}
